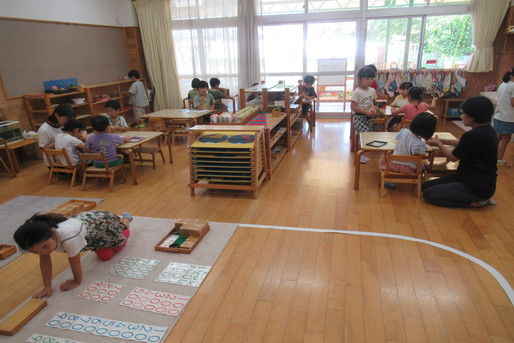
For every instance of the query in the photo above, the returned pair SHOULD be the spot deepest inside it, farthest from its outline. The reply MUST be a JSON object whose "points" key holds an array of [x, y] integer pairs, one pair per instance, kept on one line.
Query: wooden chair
{"points": [[178, 128], [226, 96], [9, 168], [187, 103], [60, 162], [101, 173], [156, 124], [405, 123], [387, 175]]}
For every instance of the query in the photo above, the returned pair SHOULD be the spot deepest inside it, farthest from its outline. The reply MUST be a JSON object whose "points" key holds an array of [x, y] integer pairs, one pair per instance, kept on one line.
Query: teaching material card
{"points": [[108, 327], [184, 274], [155, 301], [38, 338], [133, 267], [101, 291]]}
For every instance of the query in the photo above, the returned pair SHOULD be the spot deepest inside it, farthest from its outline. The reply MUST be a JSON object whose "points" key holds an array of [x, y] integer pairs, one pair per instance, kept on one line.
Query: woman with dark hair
{"points": [[504, 116], [475, 182], [52, 127]]}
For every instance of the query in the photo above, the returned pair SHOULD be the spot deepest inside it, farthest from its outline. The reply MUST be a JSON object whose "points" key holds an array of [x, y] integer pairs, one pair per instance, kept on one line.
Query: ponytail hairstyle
{"points": [[508, 75]]}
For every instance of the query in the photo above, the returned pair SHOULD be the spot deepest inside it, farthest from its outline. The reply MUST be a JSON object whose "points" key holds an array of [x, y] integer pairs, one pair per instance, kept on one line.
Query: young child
{"points": [[71, 139], [413, 108], [307, 93], [103, 141], [116, 121], [100, 231], [52, 127], [410, 142], [363, 101], [138, 97], [374, 84], [217, 94], [402, 99], [504, 116], [194, 89], [204, 100]]}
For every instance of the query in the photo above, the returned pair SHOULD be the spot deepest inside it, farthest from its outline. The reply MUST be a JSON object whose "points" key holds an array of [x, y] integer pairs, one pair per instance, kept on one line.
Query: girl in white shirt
{"points": [[52, 127], [504, 116], [100, 231]]}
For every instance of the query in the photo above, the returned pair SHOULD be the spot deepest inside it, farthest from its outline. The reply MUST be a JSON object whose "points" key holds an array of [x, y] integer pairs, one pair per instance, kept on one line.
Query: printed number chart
{"points": [[133, 267], [184, 274], [107, 327], [155, 301], [37, 338], [101, 291]]}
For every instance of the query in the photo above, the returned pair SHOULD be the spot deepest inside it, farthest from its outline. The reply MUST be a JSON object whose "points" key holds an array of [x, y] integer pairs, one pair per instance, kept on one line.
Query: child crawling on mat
{"points": [[103, 232]]}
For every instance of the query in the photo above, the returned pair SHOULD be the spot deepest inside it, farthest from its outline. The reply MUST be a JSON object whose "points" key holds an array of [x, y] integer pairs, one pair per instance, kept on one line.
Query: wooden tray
{"points": [[6, 250], [193, 228], [72, 207]]}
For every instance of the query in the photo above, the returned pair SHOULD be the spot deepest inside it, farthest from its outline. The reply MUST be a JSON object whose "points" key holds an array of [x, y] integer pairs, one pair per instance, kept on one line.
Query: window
{"points": [[267, 7], [332, 5], [447, 42], [197, 9], [395, 3], [281, 48]]}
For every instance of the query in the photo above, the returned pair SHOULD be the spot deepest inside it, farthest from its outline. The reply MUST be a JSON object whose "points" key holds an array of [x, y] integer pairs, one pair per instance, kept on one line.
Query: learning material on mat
{"points": [[133, 267], [155, 301], [107, 327], [101, 291], [184, 274], [38, 338]]}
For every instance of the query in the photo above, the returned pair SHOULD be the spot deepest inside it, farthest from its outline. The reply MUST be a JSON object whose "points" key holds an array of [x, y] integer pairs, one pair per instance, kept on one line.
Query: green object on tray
{"points": [[181, 239]]}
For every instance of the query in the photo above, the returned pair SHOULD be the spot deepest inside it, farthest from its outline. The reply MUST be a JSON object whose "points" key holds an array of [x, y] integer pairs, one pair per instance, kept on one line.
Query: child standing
{"points": [[100, 231], [71, 139], [363, 101], [116, 121], [402, 99], [307, 93], [138, 97], [204, 100], [413, 108], [504, 116], [103, 141]]}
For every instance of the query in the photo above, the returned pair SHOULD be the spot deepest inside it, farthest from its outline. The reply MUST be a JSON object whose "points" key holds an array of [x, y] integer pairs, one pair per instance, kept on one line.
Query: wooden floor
{"points": [[387, 290]]}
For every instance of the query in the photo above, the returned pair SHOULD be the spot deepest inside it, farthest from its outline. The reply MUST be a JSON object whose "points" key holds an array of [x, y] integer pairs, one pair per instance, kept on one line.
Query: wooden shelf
{"points": [[83, 116], [271, 121], [54, 96], [104, 101], [295, 134], [277, 136], [38, 111], [277, 159], [79, 105], [293, 118]]}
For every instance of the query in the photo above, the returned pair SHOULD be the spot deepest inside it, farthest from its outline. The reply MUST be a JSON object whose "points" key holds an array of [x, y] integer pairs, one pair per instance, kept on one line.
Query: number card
{"points": [[38, 338], [101, 291], [107, 327], [155, 301], [184, 274], [133, 267]]}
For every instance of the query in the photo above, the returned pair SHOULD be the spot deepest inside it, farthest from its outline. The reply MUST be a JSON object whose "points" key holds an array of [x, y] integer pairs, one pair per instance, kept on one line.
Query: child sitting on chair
{"points": [[103, 141], [410, 142], [116, 121], [412, 109], [204, 100], [403, 98], [194, 89], [103, 232], [71, 139], [307, 93], [217, 94]]}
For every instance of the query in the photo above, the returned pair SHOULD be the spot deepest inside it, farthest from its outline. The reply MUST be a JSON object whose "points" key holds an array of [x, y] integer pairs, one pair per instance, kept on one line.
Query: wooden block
{"points": [[6, 250], [19, 318]]}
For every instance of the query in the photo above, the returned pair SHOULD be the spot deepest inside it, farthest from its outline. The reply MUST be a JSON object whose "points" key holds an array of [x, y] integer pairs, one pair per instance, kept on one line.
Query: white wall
{"points": [[97, 12]]}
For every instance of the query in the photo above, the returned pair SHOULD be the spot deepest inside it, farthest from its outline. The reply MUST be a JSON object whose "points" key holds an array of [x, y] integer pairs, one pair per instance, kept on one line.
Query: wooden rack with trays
{"points": [[194, 229]]}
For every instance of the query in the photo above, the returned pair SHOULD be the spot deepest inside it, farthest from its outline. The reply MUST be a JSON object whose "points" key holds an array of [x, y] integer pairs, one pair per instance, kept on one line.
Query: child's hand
{"points": [[126, 139], [44, 293], [434, 141], [68, 285]]}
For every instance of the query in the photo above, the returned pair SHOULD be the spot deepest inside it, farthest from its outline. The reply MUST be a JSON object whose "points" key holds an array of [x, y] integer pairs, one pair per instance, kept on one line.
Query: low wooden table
{"points": [[190, 116], [390, 138], [11, 151], [128, 147]]}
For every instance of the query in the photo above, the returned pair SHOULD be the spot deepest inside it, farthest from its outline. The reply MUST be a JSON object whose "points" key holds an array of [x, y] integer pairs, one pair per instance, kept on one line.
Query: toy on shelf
{"points": [[184, 237]]}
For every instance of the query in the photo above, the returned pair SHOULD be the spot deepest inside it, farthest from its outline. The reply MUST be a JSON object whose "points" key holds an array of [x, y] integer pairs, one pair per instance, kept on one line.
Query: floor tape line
{"points": [[496, 274]]}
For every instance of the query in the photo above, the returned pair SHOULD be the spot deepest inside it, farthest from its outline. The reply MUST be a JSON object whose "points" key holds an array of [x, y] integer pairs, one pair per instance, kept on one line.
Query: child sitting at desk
{"points": [[403, 98], [71, 138], [204, 100], [307, 93], [217, 94], [103, 141], [116, 121], [413, 108], [100, 231]]}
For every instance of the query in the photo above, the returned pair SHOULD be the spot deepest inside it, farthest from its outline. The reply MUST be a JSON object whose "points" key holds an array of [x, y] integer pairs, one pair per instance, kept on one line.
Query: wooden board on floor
{"points": [[19, 318]]}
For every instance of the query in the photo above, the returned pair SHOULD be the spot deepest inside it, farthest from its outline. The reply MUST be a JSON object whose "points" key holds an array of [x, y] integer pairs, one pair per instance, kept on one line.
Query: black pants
{"points": [[306, 108], [448, 192]]}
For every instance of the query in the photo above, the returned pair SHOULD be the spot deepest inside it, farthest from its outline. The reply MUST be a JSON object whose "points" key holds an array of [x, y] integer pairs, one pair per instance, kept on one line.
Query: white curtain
{"points": [[249, 66], [154, 21], [486, 17]]}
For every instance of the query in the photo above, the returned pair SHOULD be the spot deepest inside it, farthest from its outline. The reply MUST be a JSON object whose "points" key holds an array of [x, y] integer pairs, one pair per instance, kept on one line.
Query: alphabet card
{"points": [[184, 274], [108, 327], [101, 291], [133, 267], [38, 338], [155, 301]]}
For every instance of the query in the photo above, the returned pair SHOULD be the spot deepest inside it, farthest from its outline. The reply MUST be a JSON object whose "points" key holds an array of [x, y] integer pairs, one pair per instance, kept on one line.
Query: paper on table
{"points": [[155, 301], [38, 338]]}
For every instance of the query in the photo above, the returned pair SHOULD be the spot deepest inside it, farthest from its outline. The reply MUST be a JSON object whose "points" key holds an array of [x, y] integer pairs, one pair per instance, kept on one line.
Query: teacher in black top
{"points": [[477, 151]]}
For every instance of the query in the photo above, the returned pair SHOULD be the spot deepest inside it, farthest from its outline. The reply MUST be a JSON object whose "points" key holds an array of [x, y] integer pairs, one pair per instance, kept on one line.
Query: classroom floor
{"points": [[429, 295]]}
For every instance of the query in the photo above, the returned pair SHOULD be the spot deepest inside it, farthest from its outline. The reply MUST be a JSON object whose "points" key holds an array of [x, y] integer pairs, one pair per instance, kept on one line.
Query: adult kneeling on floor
{"points": [[477, 151]]}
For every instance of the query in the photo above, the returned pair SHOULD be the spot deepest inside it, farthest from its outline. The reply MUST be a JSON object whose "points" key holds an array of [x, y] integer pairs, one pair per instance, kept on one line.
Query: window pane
{"points": [[448, 2], [195, 9], [187, 55], [332, 5], [415, 29], [281, 48], [266, 7], [220, 49], [395, 3], [331, 40], [385, 43], [447, 42]]}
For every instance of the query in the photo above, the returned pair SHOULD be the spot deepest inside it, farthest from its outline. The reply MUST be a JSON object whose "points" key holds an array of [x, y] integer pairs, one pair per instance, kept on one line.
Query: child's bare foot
{"points": [[126, 219]]}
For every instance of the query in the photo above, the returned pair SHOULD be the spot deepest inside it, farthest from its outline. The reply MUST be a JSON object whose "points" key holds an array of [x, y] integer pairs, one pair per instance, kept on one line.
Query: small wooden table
{"points": [[130, 146], [10, 151], [390, 138], [189, 116]]}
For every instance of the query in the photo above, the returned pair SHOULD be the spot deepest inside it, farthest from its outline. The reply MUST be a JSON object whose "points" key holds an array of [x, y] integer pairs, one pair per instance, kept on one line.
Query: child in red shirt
{"points": [[412, 109]]}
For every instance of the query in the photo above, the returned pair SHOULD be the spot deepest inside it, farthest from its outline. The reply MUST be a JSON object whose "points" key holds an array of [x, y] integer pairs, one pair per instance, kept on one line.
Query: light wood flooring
{"points": [[275, 285]]}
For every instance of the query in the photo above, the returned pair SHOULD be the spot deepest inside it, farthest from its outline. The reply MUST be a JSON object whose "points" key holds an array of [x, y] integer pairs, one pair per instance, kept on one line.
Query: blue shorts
{"points": [[503, 127]]}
